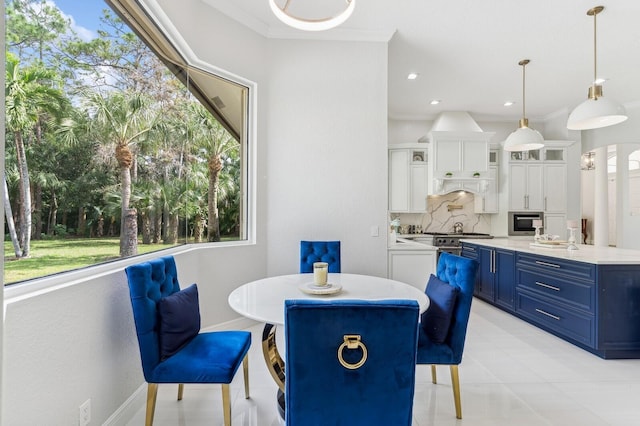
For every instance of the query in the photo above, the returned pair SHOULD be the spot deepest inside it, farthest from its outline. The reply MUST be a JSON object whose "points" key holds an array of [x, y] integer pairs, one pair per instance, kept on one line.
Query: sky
{"points": [[84, 15]]}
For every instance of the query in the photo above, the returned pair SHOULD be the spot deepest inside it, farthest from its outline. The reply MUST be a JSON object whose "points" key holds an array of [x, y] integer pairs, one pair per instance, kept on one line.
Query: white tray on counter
{"points": [[550, 245]]}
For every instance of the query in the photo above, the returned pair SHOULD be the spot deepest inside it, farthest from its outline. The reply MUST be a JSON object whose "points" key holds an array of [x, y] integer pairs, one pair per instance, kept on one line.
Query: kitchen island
{"points": [[589, 297]]}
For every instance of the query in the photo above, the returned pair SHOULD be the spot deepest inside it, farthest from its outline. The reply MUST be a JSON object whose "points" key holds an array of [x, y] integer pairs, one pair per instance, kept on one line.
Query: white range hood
{"points": [[455, 121], [459, 154]]}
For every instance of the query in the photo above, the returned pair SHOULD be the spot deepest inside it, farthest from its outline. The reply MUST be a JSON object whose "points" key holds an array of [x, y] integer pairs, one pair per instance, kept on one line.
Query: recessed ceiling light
{"points": [[509, 103], [435, 102], [412, 76]]}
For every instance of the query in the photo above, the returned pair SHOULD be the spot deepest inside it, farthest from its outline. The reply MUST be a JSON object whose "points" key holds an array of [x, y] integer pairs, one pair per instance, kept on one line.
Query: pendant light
{"points": [[596, 111], [524, 138], [307, 24]]}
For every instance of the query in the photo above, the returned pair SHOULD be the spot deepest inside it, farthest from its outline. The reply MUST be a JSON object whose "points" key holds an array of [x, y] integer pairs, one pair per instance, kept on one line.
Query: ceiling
{"points": [[466, 52]]}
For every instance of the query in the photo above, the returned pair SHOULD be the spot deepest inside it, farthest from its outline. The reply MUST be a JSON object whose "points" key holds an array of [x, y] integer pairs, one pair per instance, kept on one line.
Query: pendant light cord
{"points": [[524, 64], [595, 50]]}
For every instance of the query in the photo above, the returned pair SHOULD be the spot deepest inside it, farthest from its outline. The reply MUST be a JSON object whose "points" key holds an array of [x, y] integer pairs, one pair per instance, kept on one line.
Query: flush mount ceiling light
{"points": [[596, 111], [524, 138], [307, 24]]}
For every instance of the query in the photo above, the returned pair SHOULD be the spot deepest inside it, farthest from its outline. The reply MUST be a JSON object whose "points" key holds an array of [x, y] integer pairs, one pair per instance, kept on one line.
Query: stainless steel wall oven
{"points": [[521, 223]]}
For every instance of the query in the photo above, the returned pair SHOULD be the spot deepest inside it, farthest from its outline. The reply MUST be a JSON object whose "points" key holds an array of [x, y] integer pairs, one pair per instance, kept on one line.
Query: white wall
{"points": [[408, 131], [327, 156]]}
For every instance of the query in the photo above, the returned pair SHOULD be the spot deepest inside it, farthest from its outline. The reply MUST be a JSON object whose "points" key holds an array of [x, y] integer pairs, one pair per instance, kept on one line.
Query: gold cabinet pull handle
{"points": [[352, 341]]}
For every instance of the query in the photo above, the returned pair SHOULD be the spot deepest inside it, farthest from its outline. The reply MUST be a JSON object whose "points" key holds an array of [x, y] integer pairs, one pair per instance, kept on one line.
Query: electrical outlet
{"points": [[84, 413]]}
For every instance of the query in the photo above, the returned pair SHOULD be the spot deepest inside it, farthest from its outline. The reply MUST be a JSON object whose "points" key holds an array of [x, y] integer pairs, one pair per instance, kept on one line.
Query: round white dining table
{"points": [[263, 300]]}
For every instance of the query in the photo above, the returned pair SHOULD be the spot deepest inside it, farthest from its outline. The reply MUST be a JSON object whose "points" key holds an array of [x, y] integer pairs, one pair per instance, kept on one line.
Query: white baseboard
{"points": [[235, 324], [126, 411]]}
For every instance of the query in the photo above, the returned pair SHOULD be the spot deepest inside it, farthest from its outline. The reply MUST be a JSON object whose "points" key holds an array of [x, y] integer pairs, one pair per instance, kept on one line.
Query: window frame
{"points": [[248, 155]]}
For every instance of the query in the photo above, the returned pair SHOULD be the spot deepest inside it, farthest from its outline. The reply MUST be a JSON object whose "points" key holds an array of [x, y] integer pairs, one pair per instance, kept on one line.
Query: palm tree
{"points": [[212, 140], [9, 216], [122, 119], [29, 95], [148, 196]]}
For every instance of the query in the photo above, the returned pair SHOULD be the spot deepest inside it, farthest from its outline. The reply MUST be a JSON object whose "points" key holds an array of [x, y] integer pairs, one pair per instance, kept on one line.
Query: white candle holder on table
{"points": [[572, 225], [537, 224]]}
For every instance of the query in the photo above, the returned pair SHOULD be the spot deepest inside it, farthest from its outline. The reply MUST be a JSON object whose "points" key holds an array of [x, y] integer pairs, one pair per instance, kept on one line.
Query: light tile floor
{"points": [[512, 374]]}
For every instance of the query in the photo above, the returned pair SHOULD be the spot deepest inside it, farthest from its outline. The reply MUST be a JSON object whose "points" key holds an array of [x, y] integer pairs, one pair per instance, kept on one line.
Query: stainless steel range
{"points": [[448, 242]]}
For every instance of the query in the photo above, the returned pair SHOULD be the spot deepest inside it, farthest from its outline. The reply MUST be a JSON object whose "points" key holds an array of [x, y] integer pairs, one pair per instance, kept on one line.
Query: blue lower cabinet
{"points": [[561, 321], [495, 282], [594, 306], [485, 284], [505, 279], [580, 294], [618, 312], [471, 251]]}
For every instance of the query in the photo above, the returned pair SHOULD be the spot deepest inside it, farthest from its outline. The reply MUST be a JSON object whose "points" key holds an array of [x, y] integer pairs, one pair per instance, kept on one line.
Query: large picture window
{"points": [[115, 145]]}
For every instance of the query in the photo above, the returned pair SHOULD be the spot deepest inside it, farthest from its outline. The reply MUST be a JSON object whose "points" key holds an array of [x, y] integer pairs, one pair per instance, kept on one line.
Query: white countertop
{"points": [[585, 253], [406, 244]]}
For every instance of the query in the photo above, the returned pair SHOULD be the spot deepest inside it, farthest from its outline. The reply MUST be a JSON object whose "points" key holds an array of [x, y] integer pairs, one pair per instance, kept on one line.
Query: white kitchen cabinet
{"points": [[555, 154], [462, 158], [532, 155], [455, 158], [418, 188], [526, 190], [475, 156], [556, 224], [412, 266], [494, 157], [408, 180], [555, 188], [398, 180], [487, 201]]}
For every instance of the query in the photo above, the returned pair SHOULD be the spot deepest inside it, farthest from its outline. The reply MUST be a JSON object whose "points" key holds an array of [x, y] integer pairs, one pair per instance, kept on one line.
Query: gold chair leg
{"points": [[180, 391], [245, 368], [433, 374], [152, 393], [226, 404], [455, 382]]}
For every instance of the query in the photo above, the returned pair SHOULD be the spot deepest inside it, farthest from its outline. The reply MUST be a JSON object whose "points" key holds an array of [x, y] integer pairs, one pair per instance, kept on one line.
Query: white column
{"points": [[601, 200]]}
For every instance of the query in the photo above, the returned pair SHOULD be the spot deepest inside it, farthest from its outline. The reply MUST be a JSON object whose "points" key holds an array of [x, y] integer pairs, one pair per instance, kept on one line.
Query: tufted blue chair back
{"points": [[319, 251], [148, 283], [461, 272], [319, 390]]}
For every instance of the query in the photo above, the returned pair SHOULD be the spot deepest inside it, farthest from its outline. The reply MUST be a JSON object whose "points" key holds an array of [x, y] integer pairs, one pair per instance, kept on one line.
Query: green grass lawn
{"points": [[52, 256]]}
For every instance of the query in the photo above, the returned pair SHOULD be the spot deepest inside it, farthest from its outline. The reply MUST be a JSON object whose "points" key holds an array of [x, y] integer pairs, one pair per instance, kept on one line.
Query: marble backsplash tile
{"points": [[445, 210]]}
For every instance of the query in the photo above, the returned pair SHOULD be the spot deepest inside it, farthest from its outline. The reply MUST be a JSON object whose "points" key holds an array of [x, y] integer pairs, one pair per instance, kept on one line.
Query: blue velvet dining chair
{"points": [[319, 251], [172, 348], [350, 362], [444, 325]]}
